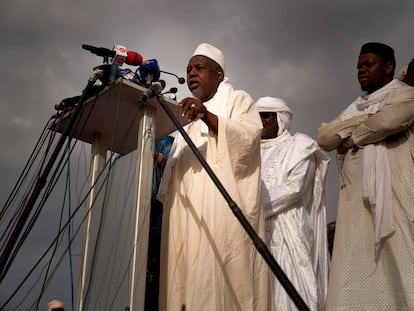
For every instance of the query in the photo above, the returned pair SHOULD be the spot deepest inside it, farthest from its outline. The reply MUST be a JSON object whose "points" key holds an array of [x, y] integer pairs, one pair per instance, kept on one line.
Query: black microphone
{"points": [[181, 80], [153, 90], [173, 90], [119, 53], [104, 52]]}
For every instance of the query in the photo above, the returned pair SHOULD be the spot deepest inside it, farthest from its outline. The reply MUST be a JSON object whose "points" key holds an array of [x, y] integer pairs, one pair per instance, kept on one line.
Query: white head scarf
{"points": [[273, 104], [210, 51], [402, 73]]}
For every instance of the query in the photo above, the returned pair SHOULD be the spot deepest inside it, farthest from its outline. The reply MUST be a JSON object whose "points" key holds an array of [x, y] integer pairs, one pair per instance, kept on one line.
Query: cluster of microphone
{"points": [[147, 73]]}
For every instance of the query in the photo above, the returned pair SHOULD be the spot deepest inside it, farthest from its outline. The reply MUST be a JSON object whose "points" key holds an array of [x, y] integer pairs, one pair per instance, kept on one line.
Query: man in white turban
{"points": [[293, 182], [208, 262], [406, 74]]}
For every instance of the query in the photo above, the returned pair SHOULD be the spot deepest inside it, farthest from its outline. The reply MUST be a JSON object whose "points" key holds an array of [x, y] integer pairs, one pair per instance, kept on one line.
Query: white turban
{"points": [[402, 73], [211, 52], [273, 104]]}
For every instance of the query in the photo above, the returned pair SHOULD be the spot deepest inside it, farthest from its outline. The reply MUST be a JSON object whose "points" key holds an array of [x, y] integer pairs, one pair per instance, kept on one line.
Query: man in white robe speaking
{"points": [[293, 184], [208, 261], [373, 254]]}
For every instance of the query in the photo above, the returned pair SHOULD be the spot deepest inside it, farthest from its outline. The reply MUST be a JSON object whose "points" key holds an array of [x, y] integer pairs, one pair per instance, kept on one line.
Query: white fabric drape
{"points": [[376, 168], [208, 262], [293, 180]]}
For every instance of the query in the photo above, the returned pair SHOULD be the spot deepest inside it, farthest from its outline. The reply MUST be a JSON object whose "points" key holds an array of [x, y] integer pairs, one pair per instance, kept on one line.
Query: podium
{"points": [[115, 114], [115, 120]]}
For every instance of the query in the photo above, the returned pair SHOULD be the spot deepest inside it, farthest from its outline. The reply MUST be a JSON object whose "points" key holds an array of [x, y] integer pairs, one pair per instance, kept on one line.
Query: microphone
{"points": [[123, 56], [68, 103], [149, 71], [119, 54], [172, 91], [153, 90], [134, 58], [181, 80], [127, 74]]}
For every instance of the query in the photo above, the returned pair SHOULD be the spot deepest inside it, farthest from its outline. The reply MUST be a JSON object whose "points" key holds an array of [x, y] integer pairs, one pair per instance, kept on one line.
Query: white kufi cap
{"points": [[211, 52], [278, 105]]}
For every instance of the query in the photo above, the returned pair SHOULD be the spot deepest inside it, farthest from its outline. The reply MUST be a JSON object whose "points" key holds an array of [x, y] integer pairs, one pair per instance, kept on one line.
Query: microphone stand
{"points": [[259, 244], [11, 246]]}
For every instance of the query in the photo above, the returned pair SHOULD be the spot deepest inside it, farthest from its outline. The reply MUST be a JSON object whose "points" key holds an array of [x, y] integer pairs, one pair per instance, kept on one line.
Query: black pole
{"points": [[11, 243], [260, 245]]}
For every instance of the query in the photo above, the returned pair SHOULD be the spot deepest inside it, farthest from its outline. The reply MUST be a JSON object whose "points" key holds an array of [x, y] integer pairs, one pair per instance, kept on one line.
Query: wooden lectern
{"points": [[115, 120]]}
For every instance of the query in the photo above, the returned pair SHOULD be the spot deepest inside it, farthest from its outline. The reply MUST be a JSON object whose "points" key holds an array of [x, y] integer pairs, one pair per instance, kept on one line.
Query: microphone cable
{"points": [[61, 230], [52, 182], [23, 175]]}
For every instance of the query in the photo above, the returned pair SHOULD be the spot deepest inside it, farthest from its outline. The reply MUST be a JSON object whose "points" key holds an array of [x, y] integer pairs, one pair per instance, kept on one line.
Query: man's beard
{"points": [[370, 88]]}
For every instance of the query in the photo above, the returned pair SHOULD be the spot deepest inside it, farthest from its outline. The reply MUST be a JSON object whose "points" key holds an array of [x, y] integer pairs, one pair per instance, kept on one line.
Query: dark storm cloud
{"points": [[302, 51]]}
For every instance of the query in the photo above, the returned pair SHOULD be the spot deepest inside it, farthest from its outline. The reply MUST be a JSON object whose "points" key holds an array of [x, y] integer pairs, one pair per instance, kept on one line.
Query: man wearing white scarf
{"points": [[372, 265], [293, 187], [208, 262]]}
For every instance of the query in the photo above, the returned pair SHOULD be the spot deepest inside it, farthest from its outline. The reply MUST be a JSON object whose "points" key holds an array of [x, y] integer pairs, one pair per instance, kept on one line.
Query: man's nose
{"points": [[362, 69], [191, 73]]}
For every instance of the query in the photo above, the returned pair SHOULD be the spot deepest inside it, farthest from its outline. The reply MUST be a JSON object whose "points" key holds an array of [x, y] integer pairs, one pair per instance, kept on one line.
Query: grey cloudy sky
{"points": [[302, 51]]}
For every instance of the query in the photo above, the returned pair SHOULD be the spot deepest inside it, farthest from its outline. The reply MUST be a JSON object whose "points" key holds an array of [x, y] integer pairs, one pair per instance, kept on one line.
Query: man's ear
{"points": [[220, 74], [389, 68]]}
